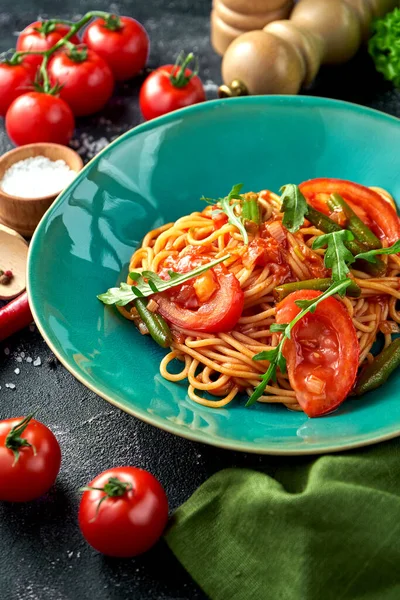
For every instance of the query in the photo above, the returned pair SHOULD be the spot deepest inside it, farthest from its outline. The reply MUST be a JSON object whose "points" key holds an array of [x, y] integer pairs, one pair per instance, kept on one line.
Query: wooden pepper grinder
{"points": [[287, 54], [231, 18]]}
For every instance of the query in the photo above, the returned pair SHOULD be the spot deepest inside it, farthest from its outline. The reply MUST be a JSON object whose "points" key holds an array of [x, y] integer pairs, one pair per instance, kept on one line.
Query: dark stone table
{"points": [[42, 554]]}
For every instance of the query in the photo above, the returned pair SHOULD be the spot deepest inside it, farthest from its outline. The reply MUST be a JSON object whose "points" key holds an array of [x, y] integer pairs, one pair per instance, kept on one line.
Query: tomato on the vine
{"points": [[41, 36], [85, 78], [15, 79], [123, 512], [170, 87], [39, 117], [122, 42], [30, 459]]}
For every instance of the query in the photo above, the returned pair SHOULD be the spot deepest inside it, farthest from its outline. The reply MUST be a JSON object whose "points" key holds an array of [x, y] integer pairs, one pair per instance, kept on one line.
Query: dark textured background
{"points": [[42, 554]]}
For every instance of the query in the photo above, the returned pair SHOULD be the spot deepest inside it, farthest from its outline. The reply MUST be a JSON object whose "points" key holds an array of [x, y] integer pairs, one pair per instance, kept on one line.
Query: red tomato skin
{"points": [[38, 117], [366, 202], [32, 476], [219, 314], [128, 525], [332, 315], [126, 50], [29, 39], [159, 96], [86, 86], [14, 81]]}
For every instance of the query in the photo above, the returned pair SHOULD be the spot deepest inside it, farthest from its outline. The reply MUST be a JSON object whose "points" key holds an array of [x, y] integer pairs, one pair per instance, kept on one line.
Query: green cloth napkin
{"points": [[304, 529]]}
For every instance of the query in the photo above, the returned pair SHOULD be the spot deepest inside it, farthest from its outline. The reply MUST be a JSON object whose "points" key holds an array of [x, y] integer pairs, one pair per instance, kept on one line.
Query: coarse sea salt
{"points": [[36, 176]]}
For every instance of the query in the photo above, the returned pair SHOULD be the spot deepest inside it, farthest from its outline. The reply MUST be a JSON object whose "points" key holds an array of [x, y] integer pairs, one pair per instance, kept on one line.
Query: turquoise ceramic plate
{"points": [[154, 174]]}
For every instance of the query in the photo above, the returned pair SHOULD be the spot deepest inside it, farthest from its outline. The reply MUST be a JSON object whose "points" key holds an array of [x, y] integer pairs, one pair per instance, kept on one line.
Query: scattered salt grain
{"points": [[11, 386], [18, 359], [36, 176], [17, 371], [37, 362], [6, 351], [22, 354], [29, 359]]}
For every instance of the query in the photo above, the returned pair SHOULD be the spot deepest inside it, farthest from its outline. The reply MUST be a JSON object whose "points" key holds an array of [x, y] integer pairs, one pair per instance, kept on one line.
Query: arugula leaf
{"points": [[294, 206], [337, 255], [370, 255], [229, 209], [148, 283], [275, 355], [251, 211], [278, 327], [267, 354]]}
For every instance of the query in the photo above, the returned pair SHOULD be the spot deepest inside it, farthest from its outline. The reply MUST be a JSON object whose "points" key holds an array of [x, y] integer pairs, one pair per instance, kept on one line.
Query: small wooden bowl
{"points": [[24, 214]]}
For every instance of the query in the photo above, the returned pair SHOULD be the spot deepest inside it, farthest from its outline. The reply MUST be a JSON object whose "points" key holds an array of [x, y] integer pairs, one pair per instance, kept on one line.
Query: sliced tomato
{"points": [[371, 208], [322, 353], [183, 307]]}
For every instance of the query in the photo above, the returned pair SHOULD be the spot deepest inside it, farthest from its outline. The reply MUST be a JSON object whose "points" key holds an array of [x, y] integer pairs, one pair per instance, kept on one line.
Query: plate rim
{"points": [[155, 420]]}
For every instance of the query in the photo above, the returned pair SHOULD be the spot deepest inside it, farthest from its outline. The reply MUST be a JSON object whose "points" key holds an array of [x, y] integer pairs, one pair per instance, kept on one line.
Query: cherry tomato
{"points": [[86, 80], [30, 459], [168, 88], [371, 208], [14, 81], [122, 42], [39, 117], [183, 305], [322, 353], [41, 36], [123, 512]]}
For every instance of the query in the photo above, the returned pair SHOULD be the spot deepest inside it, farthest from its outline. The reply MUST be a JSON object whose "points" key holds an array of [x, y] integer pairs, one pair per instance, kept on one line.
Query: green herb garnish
{"points": [[337, 255], [275, 355], [370, 255], [148, 283], [251, 211], [294, 206], [384, 46], [229, 209]]}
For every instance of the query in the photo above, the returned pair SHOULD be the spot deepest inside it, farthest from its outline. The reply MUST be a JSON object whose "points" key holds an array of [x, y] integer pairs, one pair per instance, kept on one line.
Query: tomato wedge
{"points": [[322, 353], [371, 208], [219, 313]]}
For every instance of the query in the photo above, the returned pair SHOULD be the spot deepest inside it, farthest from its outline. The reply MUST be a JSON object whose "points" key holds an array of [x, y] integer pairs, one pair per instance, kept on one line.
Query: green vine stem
{"points": [[110, 19]]}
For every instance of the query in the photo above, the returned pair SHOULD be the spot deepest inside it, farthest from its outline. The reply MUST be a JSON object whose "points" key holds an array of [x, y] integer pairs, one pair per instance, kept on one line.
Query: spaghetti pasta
{"points": [[219, 365]]}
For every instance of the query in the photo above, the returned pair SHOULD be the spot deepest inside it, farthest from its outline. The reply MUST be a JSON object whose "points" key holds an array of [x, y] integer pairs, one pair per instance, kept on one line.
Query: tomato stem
{"points": [[114, 488], [112, 22], [178, 78], [15, 442], [48, 26]]}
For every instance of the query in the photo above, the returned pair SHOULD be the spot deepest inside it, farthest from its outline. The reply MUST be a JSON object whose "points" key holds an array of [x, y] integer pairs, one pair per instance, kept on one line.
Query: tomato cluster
{"points": [[39, 101], [55, 76], [123, 511]]}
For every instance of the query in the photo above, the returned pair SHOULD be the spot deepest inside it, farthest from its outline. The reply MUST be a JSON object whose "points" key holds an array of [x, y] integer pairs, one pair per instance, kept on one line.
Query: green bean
{"points": [[158, 328], [377, 372], [251, 211], [354, 224], [321, 285], [325, 224]]}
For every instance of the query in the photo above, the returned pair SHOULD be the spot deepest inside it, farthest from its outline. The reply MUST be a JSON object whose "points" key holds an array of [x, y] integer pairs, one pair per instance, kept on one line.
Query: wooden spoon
{"points": [[13, 257]]}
